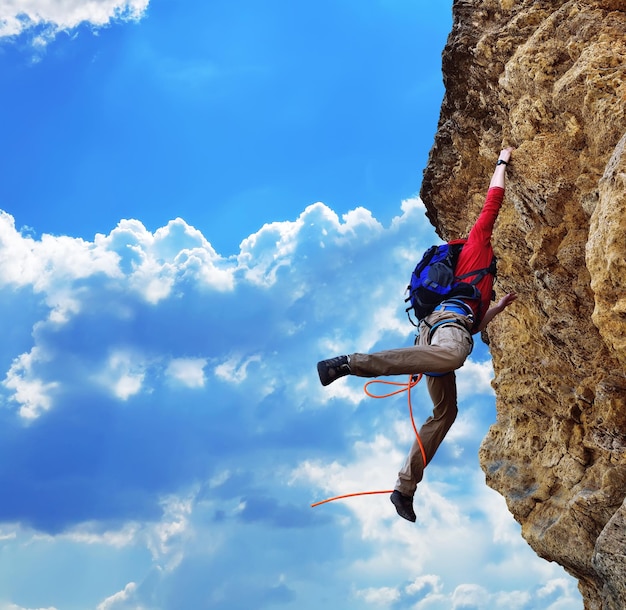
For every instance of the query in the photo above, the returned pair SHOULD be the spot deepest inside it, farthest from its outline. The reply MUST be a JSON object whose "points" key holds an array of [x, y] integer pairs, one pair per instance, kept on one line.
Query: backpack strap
{"points": [[480, 273]]}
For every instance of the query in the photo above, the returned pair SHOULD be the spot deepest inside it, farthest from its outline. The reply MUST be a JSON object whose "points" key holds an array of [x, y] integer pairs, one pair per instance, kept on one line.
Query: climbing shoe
{"points": [[332, 369], [404, 505]]}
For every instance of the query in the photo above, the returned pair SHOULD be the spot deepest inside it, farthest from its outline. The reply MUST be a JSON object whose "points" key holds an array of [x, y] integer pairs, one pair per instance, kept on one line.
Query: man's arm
{"points": [[480, 234], [498, 179], [492, 312], [500, 172]]}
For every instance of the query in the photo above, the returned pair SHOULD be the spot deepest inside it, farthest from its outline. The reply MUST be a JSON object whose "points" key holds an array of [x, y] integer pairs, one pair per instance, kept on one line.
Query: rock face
{"points": [[549, 77]]}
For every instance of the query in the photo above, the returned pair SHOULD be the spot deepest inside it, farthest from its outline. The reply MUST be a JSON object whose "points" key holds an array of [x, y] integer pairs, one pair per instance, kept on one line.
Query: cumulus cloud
{"points": [[469, 596], [31, 394], [165, 537], [379, 597], [100, 286], [124, 374], [235, 369], [120, 599], [172, 406], [443, 537], [51, 17], [134, 318], [475, 377], [91, 533], [188, 371], [129, 303]]}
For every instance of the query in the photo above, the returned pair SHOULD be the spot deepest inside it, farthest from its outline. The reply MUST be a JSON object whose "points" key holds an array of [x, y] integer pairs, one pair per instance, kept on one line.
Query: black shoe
{"points": [[404, 505], [332, 369]]}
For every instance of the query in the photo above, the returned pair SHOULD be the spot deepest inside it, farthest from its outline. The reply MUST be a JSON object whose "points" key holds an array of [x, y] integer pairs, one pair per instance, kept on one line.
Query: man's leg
{"points": [[449, 347], [442, 391], [447, 352], [409, 360], [401, 361]]}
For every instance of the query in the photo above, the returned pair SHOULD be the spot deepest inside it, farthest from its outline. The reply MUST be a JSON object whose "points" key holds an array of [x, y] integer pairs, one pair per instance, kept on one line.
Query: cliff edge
{"points": [[549, 77]]}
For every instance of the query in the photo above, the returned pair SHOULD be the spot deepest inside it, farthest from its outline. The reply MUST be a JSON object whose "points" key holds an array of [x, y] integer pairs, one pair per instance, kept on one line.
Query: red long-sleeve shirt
{"points": [[478, 253]]}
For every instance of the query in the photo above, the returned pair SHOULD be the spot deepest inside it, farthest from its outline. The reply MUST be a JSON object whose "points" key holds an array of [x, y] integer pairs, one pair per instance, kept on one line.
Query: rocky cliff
{"points": [[549, 77]]}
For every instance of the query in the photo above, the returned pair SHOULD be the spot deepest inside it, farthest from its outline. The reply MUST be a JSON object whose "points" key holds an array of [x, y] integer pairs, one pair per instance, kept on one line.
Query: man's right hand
{"points": [[505, 153]]}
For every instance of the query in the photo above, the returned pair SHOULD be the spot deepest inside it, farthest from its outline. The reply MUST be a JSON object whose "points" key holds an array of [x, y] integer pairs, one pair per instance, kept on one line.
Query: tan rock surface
{"points": [[549, 77]]}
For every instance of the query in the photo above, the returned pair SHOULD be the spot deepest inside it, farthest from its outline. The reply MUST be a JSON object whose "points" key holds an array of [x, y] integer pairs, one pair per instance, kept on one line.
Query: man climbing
{"points": [[442, 346]]}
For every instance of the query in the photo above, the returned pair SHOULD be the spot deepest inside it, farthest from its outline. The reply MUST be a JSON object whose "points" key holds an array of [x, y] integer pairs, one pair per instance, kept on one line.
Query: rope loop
{"points": [[403, 387]]}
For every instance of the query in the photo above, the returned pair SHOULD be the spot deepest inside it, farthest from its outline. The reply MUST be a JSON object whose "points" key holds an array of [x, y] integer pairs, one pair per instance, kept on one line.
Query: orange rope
{"points": [[404, 387], [360, 493]]}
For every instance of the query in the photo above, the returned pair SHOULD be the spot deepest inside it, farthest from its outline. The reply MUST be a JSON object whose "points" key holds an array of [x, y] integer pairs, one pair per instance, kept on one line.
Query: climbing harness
{"points": [[403, 387], [447, 322]]}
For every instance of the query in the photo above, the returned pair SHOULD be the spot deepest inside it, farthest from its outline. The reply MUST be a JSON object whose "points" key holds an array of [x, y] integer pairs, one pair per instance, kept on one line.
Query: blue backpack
{"points": [[433, 279]]}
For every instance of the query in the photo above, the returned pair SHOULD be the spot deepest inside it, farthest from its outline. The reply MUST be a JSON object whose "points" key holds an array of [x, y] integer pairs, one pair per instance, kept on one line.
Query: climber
{"points": [[443, 344]]}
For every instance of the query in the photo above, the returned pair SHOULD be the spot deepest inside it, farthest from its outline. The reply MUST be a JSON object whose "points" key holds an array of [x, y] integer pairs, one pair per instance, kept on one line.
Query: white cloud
{"points": [[505, 530], [421, 582], [154, 263], [559, 585], [166, 538], [452, 525], [91, 533], [235, 368], [188, 371], [475, 377], [125, 312], [472, 596], [278, 245], [17, 16], [120, 598], [383, 596], [105, 281], [351, 390], [146, 263], [51, 266], [124, 374], [374, 468], [32, 394], [7, 535]]}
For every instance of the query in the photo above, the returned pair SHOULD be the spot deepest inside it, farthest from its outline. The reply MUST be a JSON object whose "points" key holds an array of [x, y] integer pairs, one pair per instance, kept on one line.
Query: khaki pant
{"points": [[442, 352]]}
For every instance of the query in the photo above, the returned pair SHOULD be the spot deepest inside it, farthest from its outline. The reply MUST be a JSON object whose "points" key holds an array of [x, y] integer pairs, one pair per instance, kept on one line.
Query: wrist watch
{"points": [[501, 162]]}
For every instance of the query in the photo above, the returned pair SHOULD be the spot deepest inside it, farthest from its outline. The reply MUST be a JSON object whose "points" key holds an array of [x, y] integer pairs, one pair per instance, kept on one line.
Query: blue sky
{"points": [[199, 201]]}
